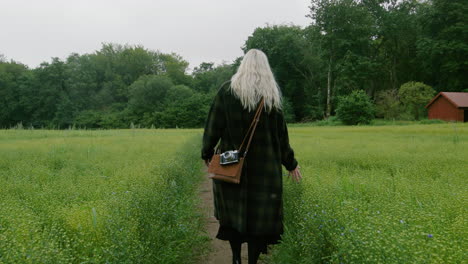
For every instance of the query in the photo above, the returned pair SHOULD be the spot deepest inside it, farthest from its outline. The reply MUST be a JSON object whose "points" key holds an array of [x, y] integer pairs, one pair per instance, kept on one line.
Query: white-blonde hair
{"points": [[254, 80]]}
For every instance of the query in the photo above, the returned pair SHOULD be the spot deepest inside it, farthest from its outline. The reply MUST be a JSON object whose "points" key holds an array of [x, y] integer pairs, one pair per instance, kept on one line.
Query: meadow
{"points": [[377, 194], [115, 196], [370, 194]]}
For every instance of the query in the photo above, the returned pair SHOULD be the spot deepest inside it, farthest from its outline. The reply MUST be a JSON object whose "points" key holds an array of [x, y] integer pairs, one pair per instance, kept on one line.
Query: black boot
{"points": [[236, 251], [254, 251]]}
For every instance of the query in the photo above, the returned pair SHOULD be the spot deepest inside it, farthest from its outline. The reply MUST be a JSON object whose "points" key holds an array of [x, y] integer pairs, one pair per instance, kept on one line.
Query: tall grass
{"points": [[393, 194], [118, 196], [371, 194], [333, 121]]}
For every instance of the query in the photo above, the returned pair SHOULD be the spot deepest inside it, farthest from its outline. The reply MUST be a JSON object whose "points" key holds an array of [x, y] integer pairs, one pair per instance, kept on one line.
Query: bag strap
{"points": [[252, 127]]}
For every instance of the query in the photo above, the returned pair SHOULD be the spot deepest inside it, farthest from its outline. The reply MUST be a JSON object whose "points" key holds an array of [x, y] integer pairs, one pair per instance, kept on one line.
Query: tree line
{"points": [[373, 46], [114, 87]]}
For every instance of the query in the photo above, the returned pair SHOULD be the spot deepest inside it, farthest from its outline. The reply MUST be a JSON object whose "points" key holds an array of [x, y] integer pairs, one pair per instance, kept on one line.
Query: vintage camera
{"points": [[229, 157]]}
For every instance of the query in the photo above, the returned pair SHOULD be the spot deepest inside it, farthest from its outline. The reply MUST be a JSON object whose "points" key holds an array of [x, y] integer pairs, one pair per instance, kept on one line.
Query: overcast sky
{"points": [[33, 31]]}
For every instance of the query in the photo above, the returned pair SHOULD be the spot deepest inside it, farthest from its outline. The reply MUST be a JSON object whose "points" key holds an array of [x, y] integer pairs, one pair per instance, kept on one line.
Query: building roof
{"points": [[459, 100]]}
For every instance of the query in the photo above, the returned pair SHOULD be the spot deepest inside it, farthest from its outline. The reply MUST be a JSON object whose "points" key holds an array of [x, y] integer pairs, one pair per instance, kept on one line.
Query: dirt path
{"points": [[220, 251]]}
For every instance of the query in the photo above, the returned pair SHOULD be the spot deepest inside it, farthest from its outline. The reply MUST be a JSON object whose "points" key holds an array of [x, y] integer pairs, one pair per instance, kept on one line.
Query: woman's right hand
{"points": [[295, 174]]}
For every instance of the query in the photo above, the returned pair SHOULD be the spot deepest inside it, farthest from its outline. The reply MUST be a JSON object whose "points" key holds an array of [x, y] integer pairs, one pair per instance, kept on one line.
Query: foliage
{"points": [[207, 78], [347, 30], [110, 88], [110, 196], [189, 111], [388, 104], [148, 93], [374, 46], [415, 95], [284, 46], [443, 46], [393, 194], [355, 108], [288, 111]]}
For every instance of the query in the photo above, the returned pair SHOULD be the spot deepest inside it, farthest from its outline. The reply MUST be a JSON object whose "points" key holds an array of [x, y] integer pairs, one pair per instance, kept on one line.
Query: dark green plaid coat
{"points": [[253, 207]]}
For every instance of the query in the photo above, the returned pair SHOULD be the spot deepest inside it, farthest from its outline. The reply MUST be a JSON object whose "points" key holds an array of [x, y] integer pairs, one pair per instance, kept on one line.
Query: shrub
{"points": [[88, 119], [415, 95], [388, 104], [355, 108]]}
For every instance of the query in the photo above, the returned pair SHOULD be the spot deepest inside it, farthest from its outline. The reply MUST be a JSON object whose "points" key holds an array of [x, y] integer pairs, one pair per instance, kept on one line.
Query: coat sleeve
{"points": [[214, 127], [287, 153]]}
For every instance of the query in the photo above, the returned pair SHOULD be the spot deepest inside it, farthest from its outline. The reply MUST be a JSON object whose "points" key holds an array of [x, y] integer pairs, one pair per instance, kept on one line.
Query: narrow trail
{"points": [[220, 251]]}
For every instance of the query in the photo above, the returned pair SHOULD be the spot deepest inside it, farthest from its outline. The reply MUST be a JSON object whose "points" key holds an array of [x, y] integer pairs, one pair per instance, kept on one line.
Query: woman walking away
{"points": [[251, 211]]}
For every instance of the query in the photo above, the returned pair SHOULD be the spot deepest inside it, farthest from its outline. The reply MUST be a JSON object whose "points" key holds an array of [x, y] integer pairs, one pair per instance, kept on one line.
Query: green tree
{"points": [[208, 78], [178, 93], [355, 108], [443, 49], [83, 82], [147, 95], [176, 67], [117, 67], [65, 114], [293, 62], [415, 95], [347, 30], [393, 48], [288, 111], [10, 75], [52, 83], [187, 111], [388, 104]]}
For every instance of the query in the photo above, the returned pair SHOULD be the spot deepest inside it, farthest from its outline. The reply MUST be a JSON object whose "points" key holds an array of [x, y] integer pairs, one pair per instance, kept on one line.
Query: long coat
{"points": [[253, 207]]}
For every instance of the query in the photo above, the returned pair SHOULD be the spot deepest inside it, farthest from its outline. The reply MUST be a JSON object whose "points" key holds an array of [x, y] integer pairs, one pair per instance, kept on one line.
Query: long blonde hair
{"points": [[254, 80]]}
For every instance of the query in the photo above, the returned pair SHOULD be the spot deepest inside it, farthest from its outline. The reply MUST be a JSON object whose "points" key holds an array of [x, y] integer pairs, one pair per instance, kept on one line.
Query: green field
{"points": [[116, 196], [388, 194], [370, 194]]}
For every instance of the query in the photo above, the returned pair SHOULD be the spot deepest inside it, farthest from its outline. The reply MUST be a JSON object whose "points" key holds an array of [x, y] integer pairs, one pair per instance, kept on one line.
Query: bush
{"points": [[148, 92], [355, 108], [388, 104], [415, 95], [88, 119]]}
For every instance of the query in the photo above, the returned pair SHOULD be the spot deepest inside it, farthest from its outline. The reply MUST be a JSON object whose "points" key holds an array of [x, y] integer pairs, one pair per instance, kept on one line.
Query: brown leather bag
{"points": [[232, 172]]}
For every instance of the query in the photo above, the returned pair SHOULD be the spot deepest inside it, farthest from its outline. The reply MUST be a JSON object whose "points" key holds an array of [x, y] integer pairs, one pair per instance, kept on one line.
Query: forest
{"points": [[376, 47]]}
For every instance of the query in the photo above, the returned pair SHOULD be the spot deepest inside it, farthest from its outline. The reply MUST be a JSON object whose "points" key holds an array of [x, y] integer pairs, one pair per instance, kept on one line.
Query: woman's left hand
{"points": [[295, 174]]}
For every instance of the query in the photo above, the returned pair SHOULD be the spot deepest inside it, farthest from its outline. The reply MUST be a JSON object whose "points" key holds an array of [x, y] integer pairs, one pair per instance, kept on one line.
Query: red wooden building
{"points": [[449, 106]]}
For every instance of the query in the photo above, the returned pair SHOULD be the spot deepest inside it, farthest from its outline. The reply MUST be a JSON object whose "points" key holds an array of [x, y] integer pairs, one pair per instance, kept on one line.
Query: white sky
{"points": [[33, 31]]}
